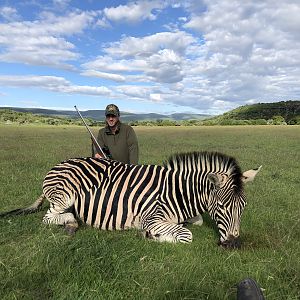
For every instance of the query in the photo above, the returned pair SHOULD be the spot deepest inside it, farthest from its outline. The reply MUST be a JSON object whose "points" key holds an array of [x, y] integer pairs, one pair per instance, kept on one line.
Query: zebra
{"points": [[158, 200]]}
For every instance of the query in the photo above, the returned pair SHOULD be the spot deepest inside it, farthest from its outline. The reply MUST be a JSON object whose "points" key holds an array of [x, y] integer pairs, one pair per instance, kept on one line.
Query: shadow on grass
{"points": [[209, 222], [26, 285]]}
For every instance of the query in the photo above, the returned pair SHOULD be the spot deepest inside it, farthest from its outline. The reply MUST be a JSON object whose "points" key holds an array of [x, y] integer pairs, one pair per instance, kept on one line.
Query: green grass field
{"points": [[42, 262]]}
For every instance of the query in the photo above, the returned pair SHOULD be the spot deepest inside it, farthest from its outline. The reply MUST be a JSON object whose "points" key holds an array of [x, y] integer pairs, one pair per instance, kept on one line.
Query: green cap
{"points": [[112, 109]]}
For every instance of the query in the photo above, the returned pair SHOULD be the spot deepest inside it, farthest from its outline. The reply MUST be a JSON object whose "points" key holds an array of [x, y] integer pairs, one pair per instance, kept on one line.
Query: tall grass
{"points": [[42, 262]]}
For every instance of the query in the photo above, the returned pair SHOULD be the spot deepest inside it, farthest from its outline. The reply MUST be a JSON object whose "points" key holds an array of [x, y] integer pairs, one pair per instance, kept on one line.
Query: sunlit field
{"points": [[42, 262]]}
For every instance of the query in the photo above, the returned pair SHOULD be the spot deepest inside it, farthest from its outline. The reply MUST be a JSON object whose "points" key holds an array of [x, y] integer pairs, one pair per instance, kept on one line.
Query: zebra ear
{"points": [[250, 174], [217, 180]]}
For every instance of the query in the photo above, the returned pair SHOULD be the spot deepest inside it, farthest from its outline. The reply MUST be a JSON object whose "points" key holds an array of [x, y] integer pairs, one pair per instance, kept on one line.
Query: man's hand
{"points": [[97, 155]]}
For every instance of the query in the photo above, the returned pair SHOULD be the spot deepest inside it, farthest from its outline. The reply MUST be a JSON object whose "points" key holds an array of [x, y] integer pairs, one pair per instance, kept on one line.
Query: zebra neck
{"points": [[182, 196]]}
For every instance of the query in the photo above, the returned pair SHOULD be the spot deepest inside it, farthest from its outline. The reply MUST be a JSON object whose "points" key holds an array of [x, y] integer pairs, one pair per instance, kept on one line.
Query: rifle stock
{"points": [[95, 142]]}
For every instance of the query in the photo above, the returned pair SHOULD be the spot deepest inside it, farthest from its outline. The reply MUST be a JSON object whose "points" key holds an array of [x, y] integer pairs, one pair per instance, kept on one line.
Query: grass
{"points": [[41, 262]]}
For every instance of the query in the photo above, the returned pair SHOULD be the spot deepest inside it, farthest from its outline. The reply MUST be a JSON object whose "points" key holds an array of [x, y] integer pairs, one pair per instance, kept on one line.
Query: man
{"points": [[117, 139]]}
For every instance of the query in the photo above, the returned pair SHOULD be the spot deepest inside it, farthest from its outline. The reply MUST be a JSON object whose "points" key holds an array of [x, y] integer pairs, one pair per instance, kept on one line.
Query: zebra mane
{"points": [[225, 163]]}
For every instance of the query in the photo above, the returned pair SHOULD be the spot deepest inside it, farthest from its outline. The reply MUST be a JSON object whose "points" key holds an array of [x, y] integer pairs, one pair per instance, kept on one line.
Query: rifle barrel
{"points": [[90, 132]]}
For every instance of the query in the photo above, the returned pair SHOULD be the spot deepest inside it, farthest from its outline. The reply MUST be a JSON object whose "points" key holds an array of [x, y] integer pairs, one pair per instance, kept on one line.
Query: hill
{"points": [[98, 115], [284, 112], [261, 113]]}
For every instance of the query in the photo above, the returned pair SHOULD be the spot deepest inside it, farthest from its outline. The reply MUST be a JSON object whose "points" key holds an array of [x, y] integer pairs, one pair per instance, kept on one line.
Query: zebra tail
{"points": [[36, 206]]}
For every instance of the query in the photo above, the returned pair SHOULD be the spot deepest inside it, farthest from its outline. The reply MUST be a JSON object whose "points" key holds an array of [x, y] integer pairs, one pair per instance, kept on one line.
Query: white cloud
{"points": [[42, 42], [61, 3], [9, 13], [165, 66], [157, 58], [156, 97], [52, 83], [134, 11], [249, 48], [104, 75], [217, 53], [110, 64], [135, 92], [72, 23], [103, 23], [146, 46]]}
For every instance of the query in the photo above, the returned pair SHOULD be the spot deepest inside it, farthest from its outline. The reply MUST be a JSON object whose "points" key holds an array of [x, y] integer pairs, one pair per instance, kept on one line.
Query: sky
{"points": [[194, 56]]}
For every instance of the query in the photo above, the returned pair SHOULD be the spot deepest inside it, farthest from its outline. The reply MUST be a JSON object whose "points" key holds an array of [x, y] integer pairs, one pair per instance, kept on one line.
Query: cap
{"points": [[112, 109]]}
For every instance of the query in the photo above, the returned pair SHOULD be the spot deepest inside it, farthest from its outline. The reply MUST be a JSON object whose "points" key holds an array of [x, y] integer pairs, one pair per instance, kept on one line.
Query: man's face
{"points": [[112, 120]]}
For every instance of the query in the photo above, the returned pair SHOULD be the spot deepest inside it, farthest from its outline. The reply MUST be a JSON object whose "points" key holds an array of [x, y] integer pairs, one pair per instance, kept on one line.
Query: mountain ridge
{"points": [[98, 115], [283, 112]]}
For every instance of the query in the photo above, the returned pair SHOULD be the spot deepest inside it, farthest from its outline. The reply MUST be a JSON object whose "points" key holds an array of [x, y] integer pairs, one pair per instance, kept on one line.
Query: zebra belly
{"points": [[106, 211]]}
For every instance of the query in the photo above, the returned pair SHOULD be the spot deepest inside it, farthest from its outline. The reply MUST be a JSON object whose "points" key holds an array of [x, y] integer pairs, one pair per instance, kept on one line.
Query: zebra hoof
{"points": [[71, 229], [150, 236]]}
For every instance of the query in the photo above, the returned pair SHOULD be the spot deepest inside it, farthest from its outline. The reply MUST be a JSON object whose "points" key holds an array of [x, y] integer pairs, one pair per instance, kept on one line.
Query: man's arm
{"points": [[133, 147]]}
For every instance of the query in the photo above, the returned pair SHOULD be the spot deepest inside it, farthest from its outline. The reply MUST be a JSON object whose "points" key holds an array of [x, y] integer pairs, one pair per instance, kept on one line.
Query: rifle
{"points": [[95, 142]]}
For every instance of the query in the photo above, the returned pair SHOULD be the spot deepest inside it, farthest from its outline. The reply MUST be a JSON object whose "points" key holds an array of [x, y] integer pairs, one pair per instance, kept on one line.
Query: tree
{"points": [[278, 120]]}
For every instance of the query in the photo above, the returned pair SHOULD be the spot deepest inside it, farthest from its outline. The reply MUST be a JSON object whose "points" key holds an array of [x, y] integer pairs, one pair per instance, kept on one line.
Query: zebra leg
{"points": [[58, 216], [195, 220], [164, 231]]}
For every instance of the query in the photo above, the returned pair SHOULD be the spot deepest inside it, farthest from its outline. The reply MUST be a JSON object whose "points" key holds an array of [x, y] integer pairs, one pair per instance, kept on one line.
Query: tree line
{"points": [[8, 116]]}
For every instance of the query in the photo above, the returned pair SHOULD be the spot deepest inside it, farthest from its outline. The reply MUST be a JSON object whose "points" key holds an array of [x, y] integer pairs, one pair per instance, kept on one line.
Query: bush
{"points": [[294, 121], [278, 120]]}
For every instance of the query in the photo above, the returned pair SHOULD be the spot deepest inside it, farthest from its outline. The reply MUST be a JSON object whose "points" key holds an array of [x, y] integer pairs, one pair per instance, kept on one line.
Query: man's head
{"points": [[112, 114]]}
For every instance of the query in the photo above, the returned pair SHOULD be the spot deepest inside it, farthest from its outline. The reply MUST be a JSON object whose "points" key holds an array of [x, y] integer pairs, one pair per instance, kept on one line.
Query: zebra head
{"points": [[226, 204]]}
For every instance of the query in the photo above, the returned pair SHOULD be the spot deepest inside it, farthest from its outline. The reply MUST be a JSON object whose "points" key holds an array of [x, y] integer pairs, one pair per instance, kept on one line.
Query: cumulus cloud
{"points": [[156, 58], [110, 64], [231, 58], [52, 83], [42, 42], [165, 67], [134, 92], [248, 49], [61, 3], [146, 46], [104, 75], [134, 11], [9, 13], [156, 97], [215, 53]]}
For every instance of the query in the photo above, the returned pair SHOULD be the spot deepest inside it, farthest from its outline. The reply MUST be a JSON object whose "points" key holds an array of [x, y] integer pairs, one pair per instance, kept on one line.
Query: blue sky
{"points": [[200, 56]]}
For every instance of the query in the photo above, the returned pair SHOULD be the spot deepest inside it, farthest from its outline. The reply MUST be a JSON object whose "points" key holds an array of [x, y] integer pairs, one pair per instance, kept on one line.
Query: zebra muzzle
{"points": [[231, 243]]}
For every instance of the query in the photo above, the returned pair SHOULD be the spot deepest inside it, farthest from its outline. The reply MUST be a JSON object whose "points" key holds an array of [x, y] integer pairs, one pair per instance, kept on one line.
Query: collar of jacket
{"points": [[109, 132]]}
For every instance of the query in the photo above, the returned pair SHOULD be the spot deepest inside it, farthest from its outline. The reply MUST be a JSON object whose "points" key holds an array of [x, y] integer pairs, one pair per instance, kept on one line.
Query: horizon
{"points": [[85, 110], [165, 57]]}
